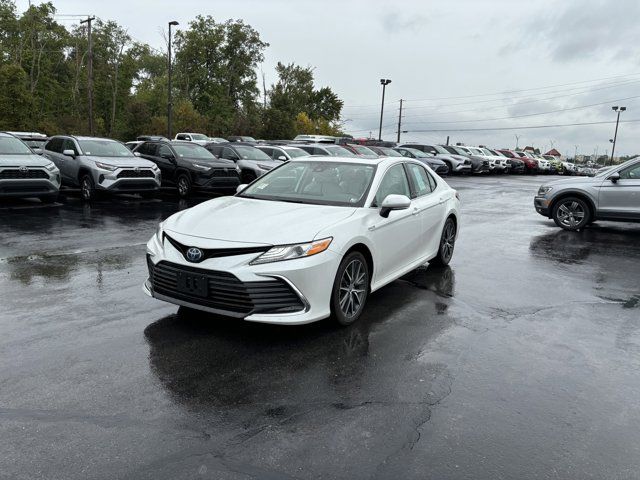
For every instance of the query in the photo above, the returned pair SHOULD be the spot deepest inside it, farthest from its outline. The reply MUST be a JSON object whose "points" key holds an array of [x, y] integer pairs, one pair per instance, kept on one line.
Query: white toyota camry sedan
{"points": [[308, 240]]}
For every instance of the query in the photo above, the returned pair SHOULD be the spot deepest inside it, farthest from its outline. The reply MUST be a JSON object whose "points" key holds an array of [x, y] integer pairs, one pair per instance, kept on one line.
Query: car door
{"points": [[621, 198], [394, 238], [53, 151], [166, 160], [70, 165], [429, 208]]}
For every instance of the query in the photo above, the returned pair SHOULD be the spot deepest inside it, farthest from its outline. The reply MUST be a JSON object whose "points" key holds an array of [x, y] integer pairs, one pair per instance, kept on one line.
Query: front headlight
{"points": [[202, 167], [289, 252], [544, 190], [51, 167], [155, 168], [265, 167], [106, 166]]}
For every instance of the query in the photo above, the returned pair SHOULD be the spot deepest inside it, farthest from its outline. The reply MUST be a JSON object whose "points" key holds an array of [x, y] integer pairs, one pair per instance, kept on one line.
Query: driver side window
{"points": [[67, 144], [394, 183], [165, 152], [631, 173]]}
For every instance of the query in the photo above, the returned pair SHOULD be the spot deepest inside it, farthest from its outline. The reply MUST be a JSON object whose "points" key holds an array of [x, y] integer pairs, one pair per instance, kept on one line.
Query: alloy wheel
{"points": [[448, 240], [183, 187], [571, 214], [353, 286], [86, 188]]}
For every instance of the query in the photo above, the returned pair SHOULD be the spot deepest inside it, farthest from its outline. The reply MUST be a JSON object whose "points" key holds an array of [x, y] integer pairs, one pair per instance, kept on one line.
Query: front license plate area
{"points": [[192, 284]]}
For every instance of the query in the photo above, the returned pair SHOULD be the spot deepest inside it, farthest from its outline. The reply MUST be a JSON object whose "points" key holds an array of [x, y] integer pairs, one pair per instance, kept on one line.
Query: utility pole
{"points": [[615, 135], [447, 140], [575, 153], [400, 121], [90, 71], [384, 82], [517, 140], [169, 91]]}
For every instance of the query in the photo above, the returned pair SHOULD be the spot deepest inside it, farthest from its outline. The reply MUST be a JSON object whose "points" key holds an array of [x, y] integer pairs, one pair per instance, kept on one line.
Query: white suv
{"points": [[199, 138]]}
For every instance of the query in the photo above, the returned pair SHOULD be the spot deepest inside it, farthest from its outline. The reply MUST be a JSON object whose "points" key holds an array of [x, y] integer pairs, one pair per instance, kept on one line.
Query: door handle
{"points": [[416, 211]]}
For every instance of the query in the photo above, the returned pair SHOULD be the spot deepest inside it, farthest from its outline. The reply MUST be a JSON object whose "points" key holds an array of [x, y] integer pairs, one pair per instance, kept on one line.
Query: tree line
{"points": [[216, 89]]}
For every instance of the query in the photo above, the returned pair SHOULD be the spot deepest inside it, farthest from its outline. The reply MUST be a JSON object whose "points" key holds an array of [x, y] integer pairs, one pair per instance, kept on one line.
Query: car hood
{"points": [[250, 222], [31, 160], [573, 181], [443, 156], [214, 162], [432, 160], [122, 161]]}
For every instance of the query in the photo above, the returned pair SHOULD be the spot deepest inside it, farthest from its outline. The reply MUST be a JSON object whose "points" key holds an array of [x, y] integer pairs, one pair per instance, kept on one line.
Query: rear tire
{"points": [[447, 244], [571, 213], [350, 289]]}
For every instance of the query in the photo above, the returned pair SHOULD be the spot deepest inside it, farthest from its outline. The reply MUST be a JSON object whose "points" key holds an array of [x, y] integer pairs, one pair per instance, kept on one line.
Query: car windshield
{"points": [[13, 146], [486, 152], [417, 153], [389, 152], [190, 150], [296, 152], [35, 143], [199, 136], [477, 151], [315, 182], [104, 148], [339, 152], [363, 150], [251, 153], [440, 149]]}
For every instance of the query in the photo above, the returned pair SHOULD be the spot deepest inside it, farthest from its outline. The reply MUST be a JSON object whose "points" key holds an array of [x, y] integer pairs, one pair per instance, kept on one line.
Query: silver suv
{"points": [[101, 165], [612, 194], [25, 174]]}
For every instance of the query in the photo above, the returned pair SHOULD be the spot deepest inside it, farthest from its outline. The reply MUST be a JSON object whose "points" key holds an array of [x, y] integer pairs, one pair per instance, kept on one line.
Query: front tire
{"points": [[87, 188], [184, 185], [248, 177], [350, 289], [447, 244], [571, 213]]}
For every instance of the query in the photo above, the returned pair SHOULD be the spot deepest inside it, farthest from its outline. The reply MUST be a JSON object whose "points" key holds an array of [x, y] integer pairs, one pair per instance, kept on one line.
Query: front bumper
{"points": [[462, 168], [30, 187], [114, 182], [541, 205], [308, 280]]}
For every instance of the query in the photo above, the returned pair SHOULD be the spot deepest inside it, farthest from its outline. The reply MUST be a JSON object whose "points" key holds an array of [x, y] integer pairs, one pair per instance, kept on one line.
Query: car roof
{"points": [[358, 160]]}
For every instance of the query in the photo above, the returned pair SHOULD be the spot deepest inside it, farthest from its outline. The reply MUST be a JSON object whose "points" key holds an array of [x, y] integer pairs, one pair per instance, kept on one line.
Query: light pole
{"points": [[384, 82], [169, 99], [615, 135]]}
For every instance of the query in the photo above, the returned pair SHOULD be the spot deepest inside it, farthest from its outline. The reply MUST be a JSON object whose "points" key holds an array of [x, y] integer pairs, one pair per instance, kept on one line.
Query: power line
{"points": [[534, 114], [523, 127]]}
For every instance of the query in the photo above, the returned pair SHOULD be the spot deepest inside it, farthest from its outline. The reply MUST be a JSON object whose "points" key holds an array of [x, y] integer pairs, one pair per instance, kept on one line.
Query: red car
{"points": [[360, 150], [530, 164]]}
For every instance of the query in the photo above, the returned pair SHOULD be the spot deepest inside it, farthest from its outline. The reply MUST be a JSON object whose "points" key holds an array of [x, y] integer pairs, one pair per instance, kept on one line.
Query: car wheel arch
{"points": [[82, 172], [366, 252], [574, 193]]}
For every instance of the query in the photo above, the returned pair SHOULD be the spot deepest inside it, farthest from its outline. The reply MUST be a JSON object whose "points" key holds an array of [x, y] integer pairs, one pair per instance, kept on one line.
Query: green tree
{"points": [[216, 70], [16, 101]]}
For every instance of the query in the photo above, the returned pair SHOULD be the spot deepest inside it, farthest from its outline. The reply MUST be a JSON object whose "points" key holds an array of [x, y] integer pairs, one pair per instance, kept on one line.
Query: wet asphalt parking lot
{"points": [[520, 360]]}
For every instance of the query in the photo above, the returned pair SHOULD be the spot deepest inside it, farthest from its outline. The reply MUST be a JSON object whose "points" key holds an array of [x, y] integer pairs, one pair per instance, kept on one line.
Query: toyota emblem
{"points": [[136, 169], [23, 169], [194, 254]]}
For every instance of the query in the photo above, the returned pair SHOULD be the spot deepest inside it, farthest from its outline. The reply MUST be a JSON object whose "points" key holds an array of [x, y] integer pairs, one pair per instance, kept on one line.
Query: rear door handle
{"points": [[416, 211]]}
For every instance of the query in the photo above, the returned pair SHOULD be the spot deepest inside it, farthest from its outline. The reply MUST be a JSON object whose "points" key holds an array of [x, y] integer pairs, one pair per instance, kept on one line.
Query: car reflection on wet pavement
{"points": [[520, 360]]}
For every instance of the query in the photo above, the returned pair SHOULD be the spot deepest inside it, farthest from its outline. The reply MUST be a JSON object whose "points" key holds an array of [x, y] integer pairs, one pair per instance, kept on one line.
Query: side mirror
{"points": [[240, 188], [38, 151], [283, 158], [614, 177], [69, 153], [137, 154], [394, 202]]}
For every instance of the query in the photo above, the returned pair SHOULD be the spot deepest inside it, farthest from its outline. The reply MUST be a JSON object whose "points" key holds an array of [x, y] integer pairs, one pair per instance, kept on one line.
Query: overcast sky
{"points": [[446, 58]]}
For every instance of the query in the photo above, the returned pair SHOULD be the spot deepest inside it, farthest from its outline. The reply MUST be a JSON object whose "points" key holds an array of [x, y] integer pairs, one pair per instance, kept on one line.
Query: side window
{"points": [[631, 173], [214, 150], [229, 154], [420, 179], [165, 152], [394, 183], [182, 137], [430, 149], [432, 181], [405, 153], [68, 144], [267, 150], [54, 145]]}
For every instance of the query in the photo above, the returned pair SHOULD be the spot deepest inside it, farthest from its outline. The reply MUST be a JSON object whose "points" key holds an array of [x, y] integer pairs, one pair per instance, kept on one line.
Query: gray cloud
{"points": [[395, 23], [587, 29]]}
